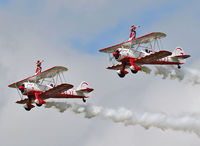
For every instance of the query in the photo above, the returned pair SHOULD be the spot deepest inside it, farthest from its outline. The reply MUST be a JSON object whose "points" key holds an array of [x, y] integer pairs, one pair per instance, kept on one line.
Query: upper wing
{"points": [[153, 57], [141, 40], [148, 38], [49, 73], [56, 90]]}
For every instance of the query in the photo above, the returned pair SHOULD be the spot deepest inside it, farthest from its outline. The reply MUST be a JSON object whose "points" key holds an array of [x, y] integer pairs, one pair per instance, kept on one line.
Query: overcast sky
{"points": [[70, 33]]}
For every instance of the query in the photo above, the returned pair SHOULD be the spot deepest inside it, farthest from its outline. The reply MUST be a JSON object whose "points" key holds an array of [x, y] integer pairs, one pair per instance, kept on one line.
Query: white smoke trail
{"points": [[187, 74], [184, 122]]}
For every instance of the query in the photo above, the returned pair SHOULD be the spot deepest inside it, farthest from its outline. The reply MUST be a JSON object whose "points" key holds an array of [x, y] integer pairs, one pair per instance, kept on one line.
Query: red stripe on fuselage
{"points": [[68, 96]]}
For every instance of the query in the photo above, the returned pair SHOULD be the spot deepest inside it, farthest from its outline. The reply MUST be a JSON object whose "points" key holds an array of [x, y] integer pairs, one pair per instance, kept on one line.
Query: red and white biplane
{"points": [[133, 54], [44, 85]]}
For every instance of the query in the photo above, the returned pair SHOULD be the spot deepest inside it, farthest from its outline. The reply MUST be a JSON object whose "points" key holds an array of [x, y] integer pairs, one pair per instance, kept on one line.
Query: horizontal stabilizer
{"points": [[182, 56], [86, 90]]}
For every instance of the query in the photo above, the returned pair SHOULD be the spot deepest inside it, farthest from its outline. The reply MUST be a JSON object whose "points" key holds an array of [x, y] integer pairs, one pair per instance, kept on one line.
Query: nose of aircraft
{"points": [[21, 88], [116, 54]]}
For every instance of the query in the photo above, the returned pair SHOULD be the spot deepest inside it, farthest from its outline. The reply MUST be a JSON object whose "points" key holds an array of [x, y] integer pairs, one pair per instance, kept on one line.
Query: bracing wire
{"points": [[63, 77], [20, 95], [60, 78]]}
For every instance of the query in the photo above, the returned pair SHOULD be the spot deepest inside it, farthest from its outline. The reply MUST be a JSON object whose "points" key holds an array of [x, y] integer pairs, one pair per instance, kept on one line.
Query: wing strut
{"points": [[20, 95]]}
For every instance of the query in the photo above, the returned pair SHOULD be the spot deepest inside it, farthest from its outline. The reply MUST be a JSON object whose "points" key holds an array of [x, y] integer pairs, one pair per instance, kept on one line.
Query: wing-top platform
{"points": [[140, 40], [49, 73]]}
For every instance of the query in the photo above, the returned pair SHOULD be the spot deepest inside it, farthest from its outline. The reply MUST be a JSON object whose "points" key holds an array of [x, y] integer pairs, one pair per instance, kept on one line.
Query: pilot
{"points": [[133, 32], [39, 68]]}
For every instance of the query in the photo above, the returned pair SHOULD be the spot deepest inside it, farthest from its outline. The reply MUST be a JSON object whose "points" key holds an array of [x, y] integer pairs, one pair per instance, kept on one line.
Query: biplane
{"points": [[135, 53], [48, 84]]}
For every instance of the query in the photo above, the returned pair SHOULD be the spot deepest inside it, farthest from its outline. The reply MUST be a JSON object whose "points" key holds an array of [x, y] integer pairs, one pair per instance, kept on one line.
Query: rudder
{"points": [[178, 52]]}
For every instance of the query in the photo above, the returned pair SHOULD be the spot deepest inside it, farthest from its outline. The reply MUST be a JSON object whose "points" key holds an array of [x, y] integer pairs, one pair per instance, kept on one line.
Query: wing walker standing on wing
{"points": [[133, 32], [39, 68]]}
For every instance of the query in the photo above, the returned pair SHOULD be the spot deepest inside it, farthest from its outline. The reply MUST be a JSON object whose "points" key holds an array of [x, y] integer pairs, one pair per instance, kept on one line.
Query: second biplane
{"points": [[133, 54], [44, 85]]}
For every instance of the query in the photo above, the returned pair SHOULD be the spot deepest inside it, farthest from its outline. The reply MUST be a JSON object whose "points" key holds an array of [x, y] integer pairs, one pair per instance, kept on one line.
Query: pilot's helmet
{"points": [[52, 85]]}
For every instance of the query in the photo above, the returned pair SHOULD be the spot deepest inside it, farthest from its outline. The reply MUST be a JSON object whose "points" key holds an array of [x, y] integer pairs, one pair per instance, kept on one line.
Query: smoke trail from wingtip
{"points": [[185, 122]]}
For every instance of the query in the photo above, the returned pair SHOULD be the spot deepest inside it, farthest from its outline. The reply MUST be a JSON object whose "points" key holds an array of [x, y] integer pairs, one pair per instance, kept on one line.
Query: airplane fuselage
{"points": [[29, 89], [124, 55]]}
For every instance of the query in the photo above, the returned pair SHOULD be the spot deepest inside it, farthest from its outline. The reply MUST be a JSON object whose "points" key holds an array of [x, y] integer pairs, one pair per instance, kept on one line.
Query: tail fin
{"points": [[83, 87], [179, 53]]}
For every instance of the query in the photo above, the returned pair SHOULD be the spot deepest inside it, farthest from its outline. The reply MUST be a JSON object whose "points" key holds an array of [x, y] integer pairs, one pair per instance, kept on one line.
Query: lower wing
{"points": [[119, 66], [153, 57], [56, 90], [51, 92]]}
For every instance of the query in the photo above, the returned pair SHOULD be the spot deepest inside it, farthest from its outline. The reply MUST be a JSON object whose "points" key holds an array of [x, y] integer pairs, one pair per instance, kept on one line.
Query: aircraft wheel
{"points": [[84, 100], [134, 71], [121, 75], [27, 108], [38, 104], [179, 67]]}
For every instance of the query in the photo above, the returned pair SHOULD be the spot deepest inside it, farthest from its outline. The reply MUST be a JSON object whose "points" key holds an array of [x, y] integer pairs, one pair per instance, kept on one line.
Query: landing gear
{"points": [[121, 74], [38, 104], [84, 100], [27, 108], [134, 71], [179, 67]]}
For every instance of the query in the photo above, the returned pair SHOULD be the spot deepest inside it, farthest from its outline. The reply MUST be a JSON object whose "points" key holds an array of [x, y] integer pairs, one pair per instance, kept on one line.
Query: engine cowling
{"points": [[22, 88], [28, 87], [116, 54]]}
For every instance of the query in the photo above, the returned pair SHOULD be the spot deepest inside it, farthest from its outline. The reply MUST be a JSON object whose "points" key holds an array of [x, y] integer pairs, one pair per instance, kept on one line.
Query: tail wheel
{"points": [[179, 67], [84, 100]]}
